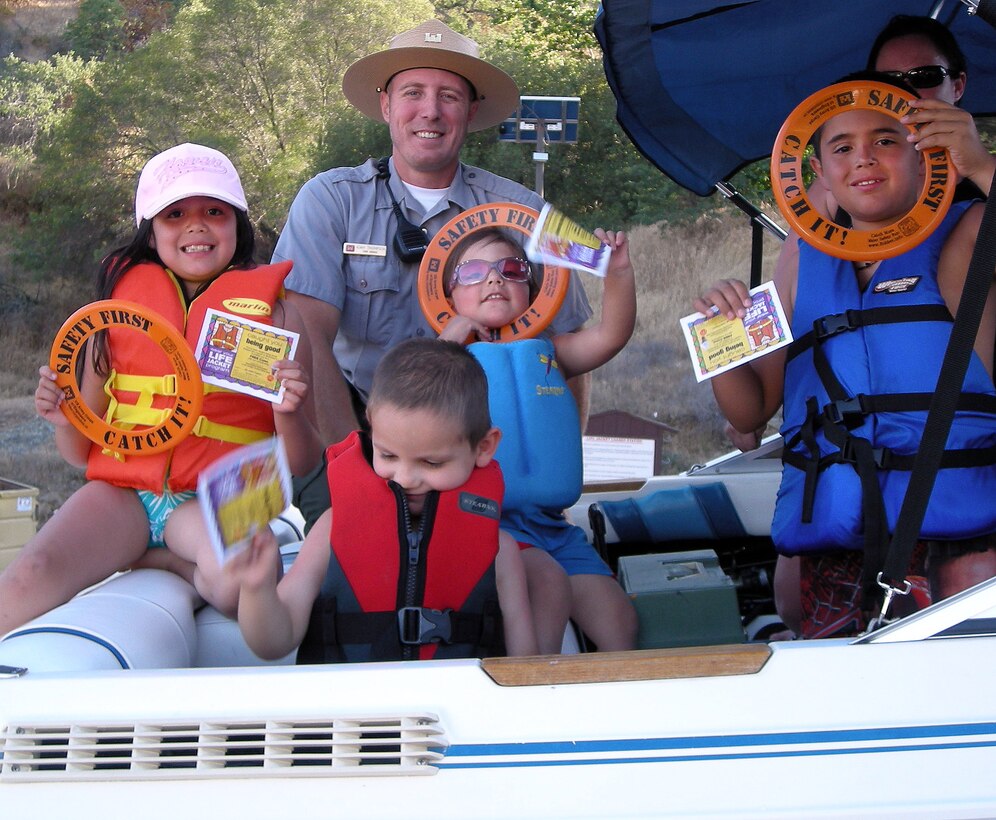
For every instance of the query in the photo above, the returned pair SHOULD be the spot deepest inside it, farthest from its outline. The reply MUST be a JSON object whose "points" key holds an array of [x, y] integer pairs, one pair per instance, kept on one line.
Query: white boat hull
{"points": [[901, 724], [831, 729]]}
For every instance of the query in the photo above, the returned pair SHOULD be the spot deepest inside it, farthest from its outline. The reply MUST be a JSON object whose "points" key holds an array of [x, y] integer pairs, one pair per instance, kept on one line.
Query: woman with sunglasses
{"points": [[923, 52], [490, 283]]}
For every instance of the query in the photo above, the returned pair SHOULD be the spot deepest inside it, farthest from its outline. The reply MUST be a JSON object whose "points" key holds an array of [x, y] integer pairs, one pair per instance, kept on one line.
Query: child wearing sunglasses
{"points": [[490, 282]]}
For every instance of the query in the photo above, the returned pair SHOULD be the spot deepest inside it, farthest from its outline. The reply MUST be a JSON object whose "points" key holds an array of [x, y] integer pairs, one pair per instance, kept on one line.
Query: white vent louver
{"points": [[355, 747]]}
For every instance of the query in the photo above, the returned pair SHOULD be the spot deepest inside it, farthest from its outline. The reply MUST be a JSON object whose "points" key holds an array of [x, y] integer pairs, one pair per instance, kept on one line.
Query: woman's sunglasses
{"points": [[924, 76], [475, 271]]}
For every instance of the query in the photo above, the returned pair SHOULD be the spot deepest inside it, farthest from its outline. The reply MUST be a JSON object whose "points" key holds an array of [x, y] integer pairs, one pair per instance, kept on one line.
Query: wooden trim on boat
{"points": [[624, 485], [642, 664]]}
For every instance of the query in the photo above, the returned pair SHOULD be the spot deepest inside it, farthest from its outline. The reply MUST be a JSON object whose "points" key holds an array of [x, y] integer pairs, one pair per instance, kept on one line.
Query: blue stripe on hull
{"points": [[571, 752]]}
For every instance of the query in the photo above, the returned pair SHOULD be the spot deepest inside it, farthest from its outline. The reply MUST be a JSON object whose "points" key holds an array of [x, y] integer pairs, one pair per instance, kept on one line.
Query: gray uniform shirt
{"points": [[377, 295]]}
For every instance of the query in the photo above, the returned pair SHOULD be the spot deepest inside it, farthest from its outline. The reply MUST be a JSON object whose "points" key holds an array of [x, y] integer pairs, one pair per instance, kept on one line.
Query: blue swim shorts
{"points": [[159, 507], [552, 532]]}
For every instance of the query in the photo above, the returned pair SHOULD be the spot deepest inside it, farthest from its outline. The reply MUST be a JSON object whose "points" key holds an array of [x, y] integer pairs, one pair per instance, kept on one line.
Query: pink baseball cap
{"points": [[187, 170]]}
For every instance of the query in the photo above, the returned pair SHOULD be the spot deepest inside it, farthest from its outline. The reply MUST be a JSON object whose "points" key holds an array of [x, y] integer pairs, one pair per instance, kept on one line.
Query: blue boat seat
{"points": [[692, 512]]}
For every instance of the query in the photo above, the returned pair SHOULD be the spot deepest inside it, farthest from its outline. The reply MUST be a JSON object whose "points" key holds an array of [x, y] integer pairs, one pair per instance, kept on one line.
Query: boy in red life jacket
{"points": [[409, 562]]}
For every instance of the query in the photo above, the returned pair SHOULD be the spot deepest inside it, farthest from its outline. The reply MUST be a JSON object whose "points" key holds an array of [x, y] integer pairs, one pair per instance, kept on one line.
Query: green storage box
{"points": [[682, 599]]}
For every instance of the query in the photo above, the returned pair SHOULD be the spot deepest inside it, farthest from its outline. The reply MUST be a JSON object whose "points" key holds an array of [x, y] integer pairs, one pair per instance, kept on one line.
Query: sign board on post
{"points": [[542, 121]]}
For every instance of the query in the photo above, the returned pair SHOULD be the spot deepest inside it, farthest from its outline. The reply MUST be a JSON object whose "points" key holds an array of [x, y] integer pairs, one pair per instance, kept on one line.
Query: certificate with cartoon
{"points": [[242, 492], [717, 344], [557, 240], [238, 353]]}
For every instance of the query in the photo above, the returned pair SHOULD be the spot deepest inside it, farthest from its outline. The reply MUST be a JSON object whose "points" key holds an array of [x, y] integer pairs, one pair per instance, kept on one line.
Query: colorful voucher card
{"points": [[717, 344], [556, 240], [238, 353], [243, 492]]}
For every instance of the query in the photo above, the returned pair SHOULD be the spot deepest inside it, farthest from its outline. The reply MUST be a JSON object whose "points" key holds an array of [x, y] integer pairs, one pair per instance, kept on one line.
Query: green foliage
{"points": [[34, 97], [257, 79], [97, 30], [549, 47], [261, 81]]}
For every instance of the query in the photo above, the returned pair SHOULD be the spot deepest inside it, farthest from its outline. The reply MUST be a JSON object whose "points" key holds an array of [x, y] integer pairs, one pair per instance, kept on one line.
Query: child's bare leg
{"points": [[161, 558], [101, 529], [788, 592], [187, 537], [550, 598], [604, 612], [961, 572]]}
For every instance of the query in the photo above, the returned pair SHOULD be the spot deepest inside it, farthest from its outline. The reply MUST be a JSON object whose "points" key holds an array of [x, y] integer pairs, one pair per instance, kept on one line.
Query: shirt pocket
{"points": [[373, 294]]}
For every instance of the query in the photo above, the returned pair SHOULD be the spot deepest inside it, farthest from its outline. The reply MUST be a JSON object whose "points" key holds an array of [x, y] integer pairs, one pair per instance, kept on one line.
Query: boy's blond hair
{"points": [[438, 376]]}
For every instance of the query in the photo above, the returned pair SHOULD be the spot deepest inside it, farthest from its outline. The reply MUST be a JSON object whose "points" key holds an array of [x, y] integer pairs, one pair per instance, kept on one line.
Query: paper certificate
{"points": [[717, 344], [242, 493], [238, 353], [556, 240]]}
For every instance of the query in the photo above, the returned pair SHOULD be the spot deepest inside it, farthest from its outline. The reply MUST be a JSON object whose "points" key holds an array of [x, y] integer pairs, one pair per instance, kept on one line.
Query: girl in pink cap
{"points": [[192, 251]]}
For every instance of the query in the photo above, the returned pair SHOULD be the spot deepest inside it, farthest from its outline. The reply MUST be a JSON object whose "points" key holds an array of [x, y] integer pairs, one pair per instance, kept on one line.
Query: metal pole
{"points": [[540, 155]]}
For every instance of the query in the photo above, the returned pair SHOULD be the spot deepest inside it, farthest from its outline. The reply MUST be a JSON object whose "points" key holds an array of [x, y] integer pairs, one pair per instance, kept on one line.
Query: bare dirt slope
{"points": [[34, 30]]}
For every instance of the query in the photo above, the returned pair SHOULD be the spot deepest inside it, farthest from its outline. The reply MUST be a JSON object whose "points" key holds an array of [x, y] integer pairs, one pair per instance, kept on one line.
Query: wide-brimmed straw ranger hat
{"points": [[187, 170], [432, 44]]}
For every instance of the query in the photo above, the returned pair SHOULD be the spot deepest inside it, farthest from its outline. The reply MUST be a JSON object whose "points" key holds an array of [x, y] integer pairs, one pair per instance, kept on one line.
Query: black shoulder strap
{"points": [[945, 400]]}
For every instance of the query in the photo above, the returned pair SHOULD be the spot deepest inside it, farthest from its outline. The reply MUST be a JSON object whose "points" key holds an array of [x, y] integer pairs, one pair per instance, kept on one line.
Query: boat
{"points": [[125, 697], [132, 697]]}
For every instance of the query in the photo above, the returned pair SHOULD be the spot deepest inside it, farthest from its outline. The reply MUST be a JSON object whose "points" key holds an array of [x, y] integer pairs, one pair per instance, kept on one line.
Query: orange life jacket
{"points": [[141, 392]]}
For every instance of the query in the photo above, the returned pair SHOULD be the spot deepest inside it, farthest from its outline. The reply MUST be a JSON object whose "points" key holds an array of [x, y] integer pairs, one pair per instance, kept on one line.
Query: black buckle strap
{"points": [[835, 323], [827, 326], [419, 625], [853, 451], [849, 412]]}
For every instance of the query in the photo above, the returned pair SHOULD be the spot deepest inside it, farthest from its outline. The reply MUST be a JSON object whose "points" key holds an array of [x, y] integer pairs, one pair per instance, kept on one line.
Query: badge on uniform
{"points": [[361, 249]]}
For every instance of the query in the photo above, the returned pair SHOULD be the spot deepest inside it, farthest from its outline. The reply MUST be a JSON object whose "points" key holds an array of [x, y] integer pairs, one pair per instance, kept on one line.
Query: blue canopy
{"points": [[703, 87]]}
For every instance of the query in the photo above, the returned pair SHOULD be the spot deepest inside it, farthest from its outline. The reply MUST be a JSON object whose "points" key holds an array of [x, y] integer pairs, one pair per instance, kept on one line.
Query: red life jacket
{"points": [[394, 594], [139, 385]]}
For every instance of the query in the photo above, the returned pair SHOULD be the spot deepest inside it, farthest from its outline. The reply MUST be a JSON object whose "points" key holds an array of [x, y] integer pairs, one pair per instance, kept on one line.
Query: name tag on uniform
{"points": [[359, 249]]}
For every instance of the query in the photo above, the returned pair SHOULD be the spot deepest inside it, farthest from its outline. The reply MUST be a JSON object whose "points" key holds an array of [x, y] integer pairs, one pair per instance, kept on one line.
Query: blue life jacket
{"points": [[858, 382], [540, 447]]}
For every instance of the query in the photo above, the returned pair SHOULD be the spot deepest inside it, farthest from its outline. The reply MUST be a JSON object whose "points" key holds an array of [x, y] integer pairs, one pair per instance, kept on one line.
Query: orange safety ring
{"points": [[117, 313], [437, 307], [822, 232]]}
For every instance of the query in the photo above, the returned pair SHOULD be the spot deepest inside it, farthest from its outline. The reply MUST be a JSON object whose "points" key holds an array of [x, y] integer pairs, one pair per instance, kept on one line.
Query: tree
{"points": [[34, 96], [261, 81], [97, 30], [257, 79]]}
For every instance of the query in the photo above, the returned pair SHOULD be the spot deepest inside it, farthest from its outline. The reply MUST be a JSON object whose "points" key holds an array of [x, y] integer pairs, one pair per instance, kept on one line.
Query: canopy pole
{"points": [[759, 222], [756, 216]]}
